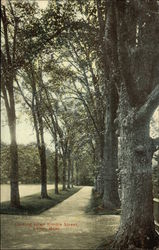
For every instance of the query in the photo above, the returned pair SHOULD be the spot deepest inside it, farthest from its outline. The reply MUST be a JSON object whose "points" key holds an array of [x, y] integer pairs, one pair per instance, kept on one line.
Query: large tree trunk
{"points": [[64, 173], [10, 108], [72, 173], [56, 170], [42, 153], [77, 174], [100, 166], [69, 173], [111, 196], [43, 162], [8, 75], [39, 128], [100, 181], [42, 156], [137, 222], [15, 199], [108, 176]]}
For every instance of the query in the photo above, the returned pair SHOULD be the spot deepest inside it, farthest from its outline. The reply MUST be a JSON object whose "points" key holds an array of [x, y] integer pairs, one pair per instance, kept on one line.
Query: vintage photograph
{"points": [[79, 124]]}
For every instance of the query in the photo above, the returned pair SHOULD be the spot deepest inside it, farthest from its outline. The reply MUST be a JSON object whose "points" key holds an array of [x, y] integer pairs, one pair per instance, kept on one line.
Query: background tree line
{"points": [[29, 166]]}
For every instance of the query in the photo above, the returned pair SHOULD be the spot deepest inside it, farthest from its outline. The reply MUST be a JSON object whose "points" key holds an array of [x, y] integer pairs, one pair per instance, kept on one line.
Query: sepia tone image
{"points": [[79, 124]]}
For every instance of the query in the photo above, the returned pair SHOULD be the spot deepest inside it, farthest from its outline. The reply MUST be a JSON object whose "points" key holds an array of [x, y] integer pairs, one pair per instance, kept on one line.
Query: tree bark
{"points": [[100, 165], [64, 173], [10, 108], [111, 196], [69, 172], [72, 173], [137, 228], [38, 123], [77, 174], [108, 176], [42, 153], [56, 170], [15, 199], [8, 76]]}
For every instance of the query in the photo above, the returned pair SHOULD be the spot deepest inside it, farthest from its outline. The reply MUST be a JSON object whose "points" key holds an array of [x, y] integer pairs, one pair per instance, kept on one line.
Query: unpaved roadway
{"points": [[65, 226]]}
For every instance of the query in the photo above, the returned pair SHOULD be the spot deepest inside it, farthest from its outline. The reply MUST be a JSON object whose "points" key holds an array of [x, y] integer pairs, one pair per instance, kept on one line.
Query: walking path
{"points": [[66, 226]]}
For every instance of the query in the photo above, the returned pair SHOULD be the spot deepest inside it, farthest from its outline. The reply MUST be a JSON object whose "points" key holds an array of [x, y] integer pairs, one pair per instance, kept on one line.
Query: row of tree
{"points": [[29, 166], [88, 72], [42, 100]]}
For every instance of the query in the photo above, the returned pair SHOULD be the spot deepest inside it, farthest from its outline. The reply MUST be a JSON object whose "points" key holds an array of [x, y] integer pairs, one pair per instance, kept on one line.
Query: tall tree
{"points": [[135, 47], [15, 54], [32, 78], [51, 121], [8, 55], [97, 93], [110, 162]]}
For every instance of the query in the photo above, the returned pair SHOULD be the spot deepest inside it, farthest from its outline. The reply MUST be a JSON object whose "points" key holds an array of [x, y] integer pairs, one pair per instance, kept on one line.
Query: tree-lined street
{"points": [[86, 72]]}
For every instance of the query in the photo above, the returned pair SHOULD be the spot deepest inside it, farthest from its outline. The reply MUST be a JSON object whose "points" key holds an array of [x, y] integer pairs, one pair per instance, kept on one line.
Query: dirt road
{"points": [[65, 226]]}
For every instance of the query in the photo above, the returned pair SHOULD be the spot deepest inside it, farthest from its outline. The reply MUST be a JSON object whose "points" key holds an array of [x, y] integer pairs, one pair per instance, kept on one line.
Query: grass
{"points": [[34, 205], [106, 244], [95, 206]]}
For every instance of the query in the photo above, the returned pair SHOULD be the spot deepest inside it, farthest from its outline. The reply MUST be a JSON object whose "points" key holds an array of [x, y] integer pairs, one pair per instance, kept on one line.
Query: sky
{"points": [[42, 3], [26, 133], [25, 130]]}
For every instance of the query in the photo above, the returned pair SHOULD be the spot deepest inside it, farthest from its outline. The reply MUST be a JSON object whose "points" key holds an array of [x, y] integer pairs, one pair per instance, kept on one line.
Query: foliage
{"points": [[29, 164]]}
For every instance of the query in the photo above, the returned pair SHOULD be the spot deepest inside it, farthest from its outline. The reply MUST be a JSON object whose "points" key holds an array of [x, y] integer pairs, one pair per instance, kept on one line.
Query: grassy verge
{"points": [[34, 205], [106, 244], [95, 206]]}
